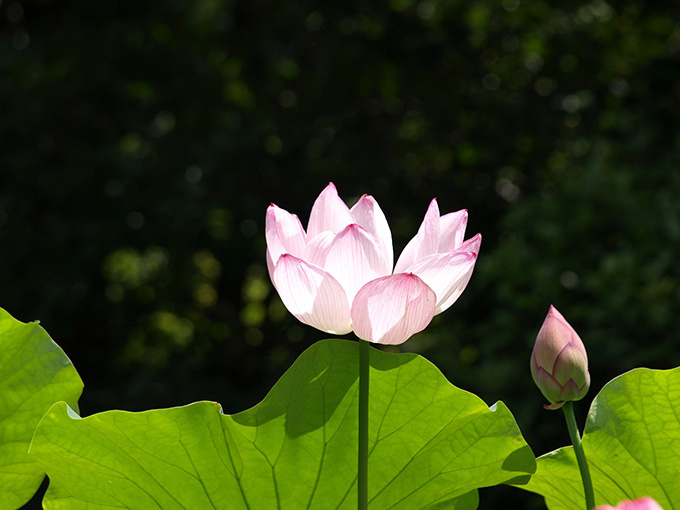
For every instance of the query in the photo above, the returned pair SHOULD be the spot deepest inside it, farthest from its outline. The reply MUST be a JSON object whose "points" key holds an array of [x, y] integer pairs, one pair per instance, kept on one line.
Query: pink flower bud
{"points": [[645, 503], [559, 363]]}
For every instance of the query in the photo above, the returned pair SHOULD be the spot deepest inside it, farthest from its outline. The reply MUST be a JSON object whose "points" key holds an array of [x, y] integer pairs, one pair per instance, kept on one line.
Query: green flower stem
{"points": [[568, 409], [362, 483]]}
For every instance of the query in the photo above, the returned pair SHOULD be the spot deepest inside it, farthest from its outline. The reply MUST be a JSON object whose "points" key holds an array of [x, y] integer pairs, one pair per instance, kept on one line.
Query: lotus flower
{"points": [[559, 363], [645, 503], [337, 276]]}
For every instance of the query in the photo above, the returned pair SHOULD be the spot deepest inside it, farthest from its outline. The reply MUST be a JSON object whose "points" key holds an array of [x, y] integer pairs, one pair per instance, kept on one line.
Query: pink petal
{"points": [[270, 265], [312, 295], [389, 310], [367, 213], [355, 258], [447, 274], [284, 233], [329, 212], [554, 335], [425, 242], [452, 230], [473, 244], [645, 503], [317, 248]]}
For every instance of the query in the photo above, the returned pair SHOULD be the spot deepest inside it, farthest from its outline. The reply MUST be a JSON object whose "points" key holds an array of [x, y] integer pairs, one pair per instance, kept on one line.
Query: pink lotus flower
{"points": [[645, 503], [338, 277], [559, 363]]}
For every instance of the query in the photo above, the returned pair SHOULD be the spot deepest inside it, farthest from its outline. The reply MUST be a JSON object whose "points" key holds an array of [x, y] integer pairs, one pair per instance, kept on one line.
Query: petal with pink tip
{"points": [[554, 335], [425, 242], [312, 295], [284, 233], [447, 274], [473, 244], [367, 213], [355, 258], [329, 212], [452, 230], [389, 310]]}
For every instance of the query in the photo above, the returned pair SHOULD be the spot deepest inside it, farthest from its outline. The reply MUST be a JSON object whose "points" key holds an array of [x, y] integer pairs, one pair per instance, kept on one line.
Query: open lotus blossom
{"points": [[645, 503], [559, 363], [338, 275]]}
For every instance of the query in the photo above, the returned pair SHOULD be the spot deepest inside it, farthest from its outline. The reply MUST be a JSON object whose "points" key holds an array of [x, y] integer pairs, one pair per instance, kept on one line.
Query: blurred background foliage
{"points": [[142, 142]]}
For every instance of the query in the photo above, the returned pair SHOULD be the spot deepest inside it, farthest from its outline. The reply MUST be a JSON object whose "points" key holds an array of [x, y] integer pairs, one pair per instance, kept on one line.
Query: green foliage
{"points": [[631, 441], [429, 443], [34, 374]]}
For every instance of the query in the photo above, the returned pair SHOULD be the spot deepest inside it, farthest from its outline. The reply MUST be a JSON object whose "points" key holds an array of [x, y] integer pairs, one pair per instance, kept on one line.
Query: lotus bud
{"points": [[645, 503], [559, 363]]}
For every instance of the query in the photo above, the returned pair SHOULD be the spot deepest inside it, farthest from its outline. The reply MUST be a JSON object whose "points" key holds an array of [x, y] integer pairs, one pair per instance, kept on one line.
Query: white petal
{"points": [[425, 242], [452, 230], [391, 309], [312, 295], [328, 213], [284, 233], [367, 213], [447, 274], [355, 258]]}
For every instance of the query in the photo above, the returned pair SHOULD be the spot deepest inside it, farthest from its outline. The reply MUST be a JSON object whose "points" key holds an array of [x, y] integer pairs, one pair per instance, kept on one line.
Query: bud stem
{"points": [[568, 409], [362, 480]]}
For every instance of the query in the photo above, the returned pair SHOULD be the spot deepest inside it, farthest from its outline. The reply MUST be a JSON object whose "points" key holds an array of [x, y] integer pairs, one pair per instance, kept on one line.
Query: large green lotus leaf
{"points": [[631, 441], [469, 501], [34, 374], [430, 443]]}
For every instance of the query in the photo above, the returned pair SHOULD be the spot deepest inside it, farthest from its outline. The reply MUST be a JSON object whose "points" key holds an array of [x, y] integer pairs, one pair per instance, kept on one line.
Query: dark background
{"points": [[141, 143]]}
